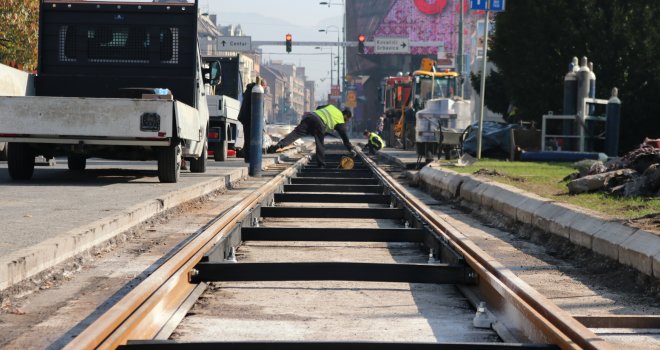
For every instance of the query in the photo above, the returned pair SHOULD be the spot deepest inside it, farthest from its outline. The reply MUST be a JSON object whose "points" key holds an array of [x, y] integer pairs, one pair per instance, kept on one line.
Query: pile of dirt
{"points": [[493, 172], [636, 174]]}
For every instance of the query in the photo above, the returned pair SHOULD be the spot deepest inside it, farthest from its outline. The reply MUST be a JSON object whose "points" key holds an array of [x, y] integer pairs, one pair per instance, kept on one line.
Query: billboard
{"points": [[424, 21]]}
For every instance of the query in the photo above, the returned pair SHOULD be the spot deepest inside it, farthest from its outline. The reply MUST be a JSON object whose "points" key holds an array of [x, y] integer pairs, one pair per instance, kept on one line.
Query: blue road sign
{"points": [[497, 5], [478, 4]]}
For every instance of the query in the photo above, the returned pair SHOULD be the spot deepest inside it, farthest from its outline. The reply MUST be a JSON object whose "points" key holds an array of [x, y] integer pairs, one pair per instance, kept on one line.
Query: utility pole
{"points": [[461, 49]]}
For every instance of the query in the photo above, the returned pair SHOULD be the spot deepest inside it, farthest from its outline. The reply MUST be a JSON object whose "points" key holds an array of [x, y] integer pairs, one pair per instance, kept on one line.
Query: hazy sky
{"points": [[273, 19]]}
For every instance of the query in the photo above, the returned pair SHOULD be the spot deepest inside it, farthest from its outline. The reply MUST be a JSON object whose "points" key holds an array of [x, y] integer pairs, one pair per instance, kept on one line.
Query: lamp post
{"points": [[326, 30], [343, 29], [331, 64]]}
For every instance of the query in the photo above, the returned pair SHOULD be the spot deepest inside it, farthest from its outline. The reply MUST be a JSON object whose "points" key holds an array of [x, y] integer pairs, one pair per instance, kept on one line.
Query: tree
{"points": [[534, 42], [19, 28]]}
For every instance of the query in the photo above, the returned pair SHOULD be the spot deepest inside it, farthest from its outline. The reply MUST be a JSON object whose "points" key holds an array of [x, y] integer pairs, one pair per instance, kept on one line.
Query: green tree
{"points": [[534, 42], [19, 24]]}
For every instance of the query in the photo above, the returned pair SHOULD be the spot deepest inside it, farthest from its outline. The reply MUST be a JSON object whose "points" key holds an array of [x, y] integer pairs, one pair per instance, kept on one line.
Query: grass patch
{"points": [[545, 179]]}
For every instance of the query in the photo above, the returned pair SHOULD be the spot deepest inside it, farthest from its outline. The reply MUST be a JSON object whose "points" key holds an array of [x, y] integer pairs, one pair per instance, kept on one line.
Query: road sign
{"points": [[334, 90], [478, 4], [391, 45], [234, 43], [497, 5], [351, 99]]}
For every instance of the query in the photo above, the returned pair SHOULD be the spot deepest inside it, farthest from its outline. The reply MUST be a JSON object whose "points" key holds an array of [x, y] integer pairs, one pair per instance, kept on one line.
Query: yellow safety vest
{"points": [[373, 137], [330, 116]]}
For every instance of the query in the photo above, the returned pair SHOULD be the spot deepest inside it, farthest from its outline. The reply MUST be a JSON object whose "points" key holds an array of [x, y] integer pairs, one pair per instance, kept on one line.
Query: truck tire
{"points": [[20, 161], [169, 164], [199, 165], [77, 162], [220, 154]]}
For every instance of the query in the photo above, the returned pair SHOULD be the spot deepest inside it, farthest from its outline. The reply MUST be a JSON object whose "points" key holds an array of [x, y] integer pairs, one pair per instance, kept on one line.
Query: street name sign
{"points": [[492, 5], [234, 43], [478, 4], [391, 45], [497, 5]]}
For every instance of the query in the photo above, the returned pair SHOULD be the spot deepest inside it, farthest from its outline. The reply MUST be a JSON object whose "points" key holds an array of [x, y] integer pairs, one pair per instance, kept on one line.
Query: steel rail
{"points": [[143, 311], [506, 289]]}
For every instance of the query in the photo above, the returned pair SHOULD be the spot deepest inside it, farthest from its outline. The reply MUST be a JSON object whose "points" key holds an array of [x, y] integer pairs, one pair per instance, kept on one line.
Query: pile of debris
{"points": [[636, 174]]}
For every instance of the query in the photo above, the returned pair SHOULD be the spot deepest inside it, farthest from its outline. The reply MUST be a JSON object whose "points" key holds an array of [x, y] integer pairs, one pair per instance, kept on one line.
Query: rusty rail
{"points": [[168, 286], [503, 287]]}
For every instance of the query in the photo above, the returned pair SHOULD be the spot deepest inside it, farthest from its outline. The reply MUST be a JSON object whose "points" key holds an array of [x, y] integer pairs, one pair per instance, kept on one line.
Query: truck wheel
{"points": [[220, 154], [169, 164], [77, 162], [20, 160], [199, 165]]}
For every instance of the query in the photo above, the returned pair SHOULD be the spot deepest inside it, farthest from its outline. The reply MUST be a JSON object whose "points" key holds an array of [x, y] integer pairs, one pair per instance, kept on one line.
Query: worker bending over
{"points": [[325, 119], [374, 142]]}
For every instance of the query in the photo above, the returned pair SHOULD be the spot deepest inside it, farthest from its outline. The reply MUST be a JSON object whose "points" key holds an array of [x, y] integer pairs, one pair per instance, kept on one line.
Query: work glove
{"points": [[272, 148]]}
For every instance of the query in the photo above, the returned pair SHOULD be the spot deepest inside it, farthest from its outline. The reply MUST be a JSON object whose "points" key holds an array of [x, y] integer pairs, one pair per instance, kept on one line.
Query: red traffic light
{"points": [[361, 39], [288, 38]]}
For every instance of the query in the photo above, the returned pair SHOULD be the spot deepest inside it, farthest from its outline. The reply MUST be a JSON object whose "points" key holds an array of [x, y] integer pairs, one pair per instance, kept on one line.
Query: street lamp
{"points": [[327, 30], [331, 64], [343, 29]]}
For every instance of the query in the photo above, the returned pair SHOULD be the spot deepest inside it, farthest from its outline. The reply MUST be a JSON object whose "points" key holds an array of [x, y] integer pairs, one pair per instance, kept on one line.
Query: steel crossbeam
{"points": [[172, 345], [338, 173], [332, 234], [331, 271], [336, 181], [331, 198], [333, 188], [325, 212]]}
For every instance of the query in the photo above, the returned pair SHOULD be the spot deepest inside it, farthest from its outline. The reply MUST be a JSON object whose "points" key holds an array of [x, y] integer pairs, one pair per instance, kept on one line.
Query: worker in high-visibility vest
{"points": [[374, 142], [325, 119]]}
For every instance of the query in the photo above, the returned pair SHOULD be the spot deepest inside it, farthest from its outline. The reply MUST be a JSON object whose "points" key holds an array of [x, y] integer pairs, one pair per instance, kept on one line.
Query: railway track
{"points": [[333, 259]]}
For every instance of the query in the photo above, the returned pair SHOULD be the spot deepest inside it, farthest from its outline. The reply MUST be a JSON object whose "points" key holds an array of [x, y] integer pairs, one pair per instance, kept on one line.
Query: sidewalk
{"points": [[630, 246], [59, 214]]}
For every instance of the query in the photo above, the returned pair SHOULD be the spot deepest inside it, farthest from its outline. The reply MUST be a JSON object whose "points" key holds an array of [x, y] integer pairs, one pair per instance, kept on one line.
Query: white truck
{"points": [[115, 80]]}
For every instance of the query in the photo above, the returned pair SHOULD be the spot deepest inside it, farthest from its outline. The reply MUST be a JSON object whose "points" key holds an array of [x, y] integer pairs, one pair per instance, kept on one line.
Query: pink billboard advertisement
{"points": [[425, 21]]}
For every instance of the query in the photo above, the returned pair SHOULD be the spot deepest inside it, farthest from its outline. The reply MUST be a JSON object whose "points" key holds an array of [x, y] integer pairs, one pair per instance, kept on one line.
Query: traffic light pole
{"points": [[482, 91]]}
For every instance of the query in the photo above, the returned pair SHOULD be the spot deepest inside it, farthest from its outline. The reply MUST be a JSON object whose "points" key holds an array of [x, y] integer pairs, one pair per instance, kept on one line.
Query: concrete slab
{"points": [[656, 265], [471, 190], [561, 224], [525, 210], [509, 200], [545, 214], [638, 251], [490, 194], [607, 240]]}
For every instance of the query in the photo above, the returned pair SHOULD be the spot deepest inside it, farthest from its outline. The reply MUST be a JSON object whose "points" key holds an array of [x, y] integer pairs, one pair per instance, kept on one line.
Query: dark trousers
{"points": [[310, 125]]}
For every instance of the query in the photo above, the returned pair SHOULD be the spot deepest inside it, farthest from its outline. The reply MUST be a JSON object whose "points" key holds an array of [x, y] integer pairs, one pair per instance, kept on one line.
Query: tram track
{"points": [[524, 318]]}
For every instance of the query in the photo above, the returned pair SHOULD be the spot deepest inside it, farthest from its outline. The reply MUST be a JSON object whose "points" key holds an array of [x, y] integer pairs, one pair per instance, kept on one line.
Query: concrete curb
{"points": [[636, 248], [31, 261]]}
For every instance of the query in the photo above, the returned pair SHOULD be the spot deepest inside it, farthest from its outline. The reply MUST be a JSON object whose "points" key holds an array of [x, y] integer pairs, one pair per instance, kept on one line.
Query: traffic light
{"points": [[288, 42], [361, 39]]}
